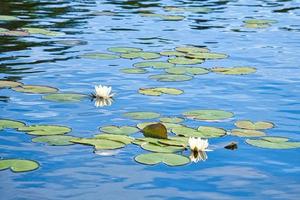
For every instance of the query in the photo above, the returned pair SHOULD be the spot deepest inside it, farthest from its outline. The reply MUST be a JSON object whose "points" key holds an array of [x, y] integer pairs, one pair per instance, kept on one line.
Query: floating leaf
{"points": [[154, 64], [171, 119], [172, 17], [99, 143], [134, 71], [101, 56], [202, 132], [172, 53], [260, 21], [159, 91], [273, 143], [65, 97], [8, 18], [142, 115], [156, 158], [43, 32], [144, 55], [187, 70], [140, 141], [124, 49], [9, 84], [157, 130], [170, 77], [207, 55], [172, 142], [45, 129], [18, 165], [17, 33], [184, 61], [247, 133], [161, 148], [208, 115], [122, 130], [119, 138], [261, 125], [55, 140], [7, 123], [234, 70], [256, 25], [208, 131], [35, 89], [192, 49]]}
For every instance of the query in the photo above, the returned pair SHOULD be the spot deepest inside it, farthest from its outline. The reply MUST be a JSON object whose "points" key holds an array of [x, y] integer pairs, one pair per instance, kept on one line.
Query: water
{"points": [[74, 172]]}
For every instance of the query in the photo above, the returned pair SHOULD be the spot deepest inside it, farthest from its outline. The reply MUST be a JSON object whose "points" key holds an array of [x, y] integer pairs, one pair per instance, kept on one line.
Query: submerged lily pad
{"points": [[143, 55], [273, 143], [234, 70], [119, 138], [157, 130], [8, 18], [45, 129], [156, 158], [192, 49], [247, 133], [9, 84], [43, 32], [207, 55], [208, 115], [172, 53], [261, 125], [18, 165], [55, 140], [124, 49], [171, 119], [142, 115], [153, 64], [171, 77], [99, 143], [161, 148], [187, 70], [35, 89], [134, 71], [159, 91], [122, 130], [65, 97], [202, 132], [101, 56], [7, 123], [185, 61]]}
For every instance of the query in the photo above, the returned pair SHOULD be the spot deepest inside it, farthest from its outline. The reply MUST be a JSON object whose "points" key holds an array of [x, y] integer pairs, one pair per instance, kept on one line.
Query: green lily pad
{"points": [[234, 70], [247, 133], [157, 130], [101, 56], [153, 64], [45, 130], [171, 77], [140, 141], [8, 18], [18, 165], [16, 33], [273, 143], [172, 142], [99, 144], [43, 32], [260, 21], [187, 70], [142, 115], [171, 119], [166, 124], [119, 138], [207, 55], [192, 49], [261, 125], [55, 140], [156, 158], [124, 49], [134, 71], [246, 25], [172, 17], [159, 91], [208, 115], [143, 55], [185, 61], [9, 84], [172, 53], [161, 148], [35, 89], [65, 97], [122, 130], [202, 132], [7, 123]]}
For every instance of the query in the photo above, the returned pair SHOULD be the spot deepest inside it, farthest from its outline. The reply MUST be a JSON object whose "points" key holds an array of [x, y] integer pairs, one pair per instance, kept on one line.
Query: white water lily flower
{"points": [[103, 102], [196, 156], [102, 92], [198, 144]]}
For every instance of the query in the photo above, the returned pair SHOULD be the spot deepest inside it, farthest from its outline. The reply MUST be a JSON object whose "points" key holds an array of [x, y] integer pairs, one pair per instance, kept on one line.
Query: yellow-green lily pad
{"points": [[18, 165], [8, 123], [9, 84], [101, 56], [166, 158], [207, 55], [202, 132], [157, 130], [143, 55], [185, 61], [234, 70], [45, 130], [142, 115], [273, 143], [65, 97], [260, 21], [161, 148], [261, 125], [172, 53], [171, 77], [153, 64], [192, 49], [8, 18], [55, 140], [41, 31], [246, 25], [124, 49], [119, 138], [171, 119], [134, 71], [208, 115], [247, 133], [159, 91], [187, 70], [119, 130], [99, 144], [35, 89]]}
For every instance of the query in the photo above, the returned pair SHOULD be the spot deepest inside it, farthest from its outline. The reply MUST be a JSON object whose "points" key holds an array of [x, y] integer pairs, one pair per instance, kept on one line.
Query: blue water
{"points": [[75, 172]]}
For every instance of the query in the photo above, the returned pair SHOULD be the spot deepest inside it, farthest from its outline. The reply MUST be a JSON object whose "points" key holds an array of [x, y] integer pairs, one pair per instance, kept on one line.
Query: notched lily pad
{"points": [[207, 55], [119, 138], [261, 125], [192, 49], [142, 115], [101, 56], [157, 130], [171, 77], [8, 123], [156, 158], [187, 70], [234, 70], [55, 140], [161, 148], [9, 84], [208, 115], [99, 143], [185, 61], [273, 143], [35, 89], [143, 55], [134, 71], [65, 97], [202, 132], [45, 130], [41, 31], [124, 49], [172, 53], [171, 119], [159, 91], [247, 133], [122, 130], [18, 165], [153, 64]]}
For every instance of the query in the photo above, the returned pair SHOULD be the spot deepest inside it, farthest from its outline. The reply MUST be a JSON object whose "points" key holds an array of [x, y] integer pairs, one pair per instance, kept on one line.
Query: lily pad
{"points": [[45, 130], [192, 49], [35, 89], [119, 138], [157, 130], [273, 143], [185, 61], [171, 119], [142, 115], [140, 141], [153, 64], [234, 70], [99, 143], [122, 130], [143, 55], [18, 165], [246, 25], [260, 21], [7, 123], [17, 33], [156, 158], [208, 131], [101, 56], [207, 55], [9, 84], [159, 91], [202, 132], [134, 71], [161, 148], [166, 124], [65, 97], [172, 17], [261, 125], [172, 53], [208, 115], [55, 140], [124, 49], [43, 32], [8, 18], [172, 142], [247, 133], [171, 77], [187, 70]]}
